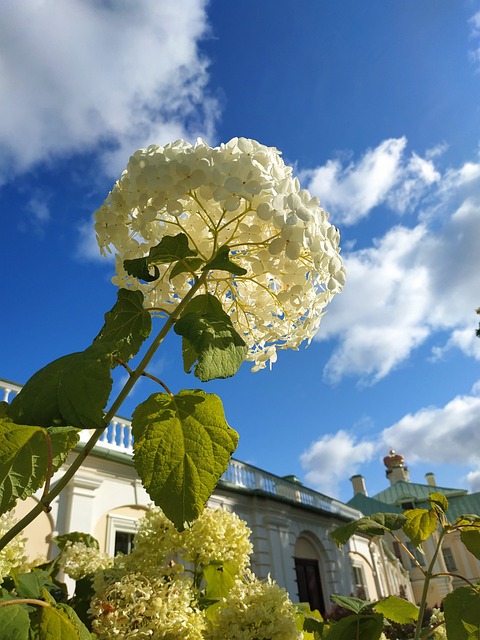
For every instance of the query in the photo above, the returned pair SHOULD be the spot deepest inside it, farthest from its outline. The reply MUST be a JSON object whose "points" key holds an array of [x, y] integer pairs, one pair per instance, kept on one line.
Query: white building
{"points": [[290, 523]]}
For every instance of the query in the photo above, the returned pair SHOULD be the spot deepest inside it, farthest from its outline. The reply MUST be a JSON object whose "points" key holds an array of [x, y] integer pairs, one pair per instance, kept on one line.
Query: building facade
{"points": [[290, 523], [402, 494]]}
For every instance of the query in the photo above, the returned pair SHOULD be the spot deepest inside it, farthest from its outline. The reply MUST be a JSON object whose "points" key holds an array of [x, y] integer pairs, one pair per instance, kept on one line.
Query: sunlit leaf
{"points": [[182, 445]]}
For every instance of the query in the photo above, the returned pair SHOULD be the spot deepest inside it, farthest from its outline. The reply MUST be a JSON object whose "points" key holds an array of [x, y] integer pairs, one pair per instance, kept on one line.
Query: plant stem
{"points": [[46, 499], [40, 603], [428, 576]]}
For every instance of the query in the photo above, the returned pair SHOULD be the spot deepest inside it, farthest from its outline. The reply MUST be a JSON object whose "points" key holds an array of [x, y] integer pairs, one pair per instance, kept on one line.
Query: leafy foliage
{"points": [[171, 249], [209, 337], [127, 326], [375, 525], [72, 390], [24, 458], [462, 613], [420, 524], [182, 445]]}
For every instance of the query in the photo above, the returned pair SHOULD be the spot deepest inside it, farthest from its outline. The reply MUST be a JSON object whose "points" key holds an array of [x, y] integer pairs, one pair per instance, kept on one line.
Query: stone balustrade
{"points": [[118, 437]]}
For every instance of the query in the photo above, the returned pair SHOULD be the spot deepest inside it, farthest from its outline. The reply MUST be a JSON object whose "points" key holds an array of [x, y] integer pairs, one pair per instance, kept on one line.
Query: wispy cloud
{"points": [[399, 290], [436, 435], [329, 459], [383, 175], [80, 74]]}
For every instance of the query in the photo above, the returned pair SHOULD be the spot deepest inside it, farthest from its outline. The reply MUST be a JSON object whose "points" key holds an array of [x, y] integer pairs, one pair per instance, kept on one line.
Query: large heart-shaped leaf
{"points": [[182, 445]]}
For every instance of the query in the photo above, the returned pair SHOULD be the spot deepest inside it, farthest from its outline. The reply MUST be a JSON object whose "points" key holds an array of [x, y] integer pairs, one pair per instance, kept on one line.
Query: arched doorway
{"points": [[307, 569]]}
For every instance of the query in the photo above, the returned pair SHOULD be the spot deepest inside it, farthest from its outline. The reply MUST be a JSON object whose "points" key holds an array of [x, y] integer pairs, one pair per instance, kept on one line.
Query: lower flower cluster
{"points": [[190, 585]]}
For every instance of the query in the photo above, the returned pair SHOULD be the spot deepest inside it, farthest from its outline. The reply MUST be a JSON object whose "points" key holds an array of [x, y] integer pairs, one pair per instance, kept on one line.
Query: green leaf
{"points": [[361, 627], [471, 539], [24, 458], [222, 262], [127, 326], [76, 536], [219, 578], [420, 524], [374, 525], [60, 622], [352, 604], [182, 445], [462, 613], [72, 390], [188, 265], [438, 502], [139, 268], [209, 337], [397, 610], [14, 622], [311, 621], [170, 249]]}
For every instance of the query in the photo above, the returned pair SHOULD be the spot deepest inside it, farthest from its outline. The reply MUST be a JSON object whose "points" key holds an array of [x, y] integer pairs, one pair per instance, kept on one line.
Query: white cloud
{"points": [[475, 33], [330, 458], [413, 281], [447, 434], [81, 73], [436, 435], [382, 176]]}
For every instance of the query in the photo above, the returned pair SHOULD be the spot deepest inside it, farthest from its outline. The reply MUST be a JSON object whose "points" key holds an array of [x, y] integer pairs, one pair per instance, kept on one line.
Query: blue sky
{"points": [[375, 104]]}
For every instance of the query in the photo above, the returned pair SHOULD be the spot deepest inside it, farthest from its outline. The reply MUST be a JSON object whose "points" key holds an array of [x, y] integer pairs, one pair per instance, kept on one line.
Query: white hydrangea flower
{"points": [[137, 607], [12, 555], [79, 561], [218, 535], [254, 610], [157, 544], [240, 195]]}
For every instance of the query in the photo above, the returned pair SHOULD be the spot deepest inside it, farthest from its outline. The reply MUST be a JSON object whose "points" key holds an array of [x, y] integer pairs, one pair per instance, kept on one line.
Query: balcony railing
{"points": [[240, 475]]}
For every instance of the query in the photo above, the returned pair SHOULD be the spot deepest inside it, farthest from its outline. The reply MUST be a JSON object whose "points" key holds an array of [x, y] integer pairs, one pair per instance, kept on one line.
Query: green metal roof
{"points": [[403, 491]]}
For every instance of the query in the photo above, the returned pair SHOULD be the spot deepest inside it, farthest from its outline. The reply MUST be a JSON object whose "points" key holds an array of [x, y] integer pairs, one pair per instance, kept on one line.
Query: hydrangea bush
{"points": [[222, 246]]}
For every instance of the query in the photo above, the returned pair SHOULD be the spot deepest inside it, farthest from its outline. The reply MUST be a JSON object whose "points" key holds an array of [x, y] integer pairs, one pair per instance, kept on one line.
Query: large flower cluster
{"points": [[150, 594], [254, 610], [78, 560], [240, 195], [147, 608], [215, 536], [13, 554]]}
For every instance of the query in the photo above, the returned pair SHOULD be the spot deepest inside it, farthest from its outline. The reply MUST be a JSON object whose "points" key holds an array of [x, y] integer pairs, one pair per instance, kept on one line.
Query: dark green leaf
{"points": [[219, 578], [126, 326], [209, 337], [352, 604], [24, 459], [462, 613], [14, 622], [72, 390], [171, 249], [397, 610], [29, 585], [182, 445], [222, 262], [471, 539], [420, 524], [361, 627], [76, 536], [375, 525], [139, 268], [189, 265]]}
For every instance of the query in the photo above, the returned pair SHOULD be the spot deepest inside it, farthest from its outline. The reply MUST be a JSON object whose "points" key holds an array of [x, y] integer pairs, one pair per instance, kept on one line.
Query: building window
{"points": [[309, 583], [449, 559], [123, 542], [120, 534], [360, 582]]}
